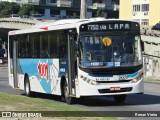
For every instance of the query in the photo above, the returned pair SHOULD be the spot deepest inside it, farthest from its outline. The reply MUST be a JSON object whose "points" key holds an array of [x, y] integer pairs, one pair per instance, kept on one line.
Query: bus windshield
{"points": [[106, 51]]}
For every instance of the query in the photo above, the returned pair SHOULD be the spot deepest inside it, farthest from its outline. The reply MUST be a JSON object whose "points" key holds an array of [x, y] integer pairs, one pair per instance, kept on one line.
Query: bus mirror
{"points": [[76, 46], [142, 46]]}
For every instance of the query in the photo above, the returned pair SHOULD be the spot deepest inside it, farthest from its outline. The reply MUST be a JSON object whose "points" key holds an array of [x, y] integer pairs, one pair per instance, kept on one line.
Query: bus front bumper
{"points": [[86, 89]]}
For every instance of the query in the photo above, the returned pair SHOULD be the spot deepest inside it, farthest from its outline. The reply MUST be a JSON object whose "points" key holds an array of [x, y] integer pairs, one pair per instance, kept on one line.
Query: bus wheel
{"points": [[68, 99], [27, 87], [119, 98]]}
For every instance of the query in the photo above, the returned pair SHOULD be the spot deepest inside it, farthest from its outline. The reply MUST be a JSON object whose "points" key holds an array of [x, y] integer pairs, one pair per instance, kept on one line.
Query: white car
{"points": [[15, 16]]}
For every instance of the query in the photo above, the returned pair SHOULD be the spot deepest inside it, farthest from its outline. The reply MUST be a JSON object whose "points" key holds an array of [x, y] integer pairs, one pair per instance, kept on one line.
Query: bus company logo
{"points": [[43, 70], [123, 77]]}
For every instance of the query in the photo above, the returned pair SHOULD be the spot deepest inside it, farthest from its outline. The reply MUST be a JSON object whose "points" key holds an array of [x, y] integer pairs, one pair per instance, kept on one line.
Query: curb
{"points": [[154, 82], [3, 65], [153, 79]]}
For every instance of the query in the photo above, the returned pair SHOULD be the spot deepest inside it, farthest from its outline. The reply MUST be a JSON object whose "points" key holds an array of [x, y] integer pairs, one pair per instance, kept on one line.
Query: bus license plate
{"points": [[115, 88]]}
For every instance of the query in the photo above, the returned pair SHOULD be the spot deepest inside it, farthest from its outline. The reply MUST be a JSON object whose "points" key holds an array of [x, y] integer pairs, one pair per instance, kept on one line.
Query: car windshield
{"points": [[110, 51]]}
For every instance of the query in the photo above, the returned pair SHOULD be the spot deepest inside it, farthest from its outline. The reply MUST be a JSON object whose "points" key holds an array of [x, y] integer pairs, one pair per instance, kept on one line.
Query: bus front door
{"points": [[15, 63], [71, 64]]}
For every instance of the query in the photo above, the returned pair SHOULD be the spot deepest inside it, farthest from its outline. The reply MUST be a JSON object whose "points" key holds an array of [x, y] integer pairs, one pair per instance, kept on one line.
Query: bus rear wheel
{"points": [[27, 87], [120, 98], [68, 99]]}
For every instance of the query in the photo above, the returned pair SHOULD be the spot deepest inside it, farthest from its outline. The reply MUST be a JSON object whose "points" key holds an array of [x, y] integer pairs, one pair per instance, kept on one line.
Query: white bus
{"points": [[76, 58]]}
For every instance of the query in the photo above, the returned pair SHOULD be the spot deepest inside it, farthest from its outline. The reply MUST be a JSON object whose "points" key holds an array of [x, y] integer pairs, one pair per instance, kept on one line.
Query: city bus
{"points": [[77, 58]]}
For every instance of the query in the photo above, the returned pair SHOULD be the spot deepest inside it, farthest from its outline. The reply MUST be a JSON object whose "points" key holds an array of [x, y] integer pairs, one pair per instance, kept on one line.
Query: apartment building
{"points": [[146, 12], [71, 8]]}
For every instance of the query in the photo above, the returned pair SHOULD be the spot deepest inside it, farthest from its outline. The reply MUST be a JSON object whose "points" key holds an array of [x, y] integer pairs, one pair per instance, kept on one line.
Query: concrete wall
{"points": [[151, 66], [17, 23], [151, 57]]}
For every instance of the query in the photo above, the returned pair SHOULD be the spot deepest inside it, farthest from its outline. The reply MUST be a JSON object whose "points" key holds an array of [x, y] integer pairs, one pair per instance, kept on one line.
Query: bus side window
{"points": [[53, 44], [62, 50], [62, 45]]}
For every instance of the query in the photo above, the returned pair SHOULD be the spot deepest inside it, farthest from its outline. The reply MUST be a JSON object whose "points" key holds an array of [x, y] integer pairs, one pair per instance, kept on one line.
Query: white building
{"points": [[140, 11]]}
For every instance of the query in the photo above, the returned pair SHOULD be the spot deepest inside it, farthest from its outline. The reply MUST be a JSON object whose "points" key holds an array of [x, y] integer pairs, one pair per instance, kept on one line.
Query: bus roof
{"points": [[60, 24]]}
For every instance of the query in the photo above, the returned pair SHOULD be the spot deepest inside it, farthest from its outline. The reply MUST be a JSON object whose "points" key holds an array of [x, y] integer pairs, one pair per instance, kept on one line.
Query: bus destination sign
{"points": [[105, 27]]}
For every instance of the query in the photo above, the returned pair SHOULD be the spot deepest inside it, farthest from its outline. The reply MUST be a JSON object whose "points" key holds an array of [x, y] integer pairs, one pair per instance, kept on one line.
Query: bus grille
{"points": [[128, 89], [119, 81]]}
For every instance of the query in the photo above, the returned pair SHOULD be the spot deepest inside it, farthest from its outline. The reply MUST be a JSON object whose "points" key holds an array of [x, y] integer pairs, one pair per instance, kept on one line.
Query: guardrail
{"points": [[18, 23], [146, 30], [18, 20]]}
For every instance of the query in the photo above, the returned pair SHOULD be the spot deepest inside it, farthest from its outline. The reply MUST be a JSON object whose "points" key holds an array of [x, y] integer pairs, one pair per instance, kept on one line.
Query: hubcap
{"points": [[27, 88], [66, 91]]}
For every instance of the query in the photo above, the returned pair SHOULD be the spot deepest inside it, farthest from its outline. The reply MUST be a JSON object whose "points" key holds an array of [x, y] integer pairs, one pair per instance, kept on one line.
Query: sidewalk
{"points": [[3, 65], [152, 79], [4, 62]]}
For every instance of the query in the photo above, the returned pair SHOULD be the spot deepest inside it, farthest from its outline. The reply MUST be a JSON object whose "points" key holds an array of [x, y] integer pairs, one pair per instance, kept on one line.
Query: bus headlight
{"points": [[90, 81], [93, 82], [137, 78], [85, 78], [134, 80]]}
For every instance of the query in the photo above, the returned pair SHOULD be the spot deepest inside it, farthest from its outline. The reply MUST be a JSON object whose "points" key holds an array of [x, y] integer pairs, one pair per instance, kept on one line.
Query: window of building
{"points": [[145, 7], [51, 1], [97, 1], [136, 8], [144, 22], [54, 12]]}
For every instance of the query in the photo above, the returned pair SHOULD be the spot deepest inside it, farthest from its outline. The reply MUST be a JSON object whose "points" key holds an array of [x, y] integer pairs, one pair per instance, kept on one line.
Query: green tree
{"points": [[26, 9], [99, 13], [8, 8]]}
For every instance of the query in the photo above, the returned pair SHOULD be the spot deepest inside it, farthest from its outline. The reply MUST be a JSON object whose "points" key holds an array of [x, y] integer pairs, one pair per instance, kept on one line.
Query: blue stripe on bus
{"points": [[128, 75], [93, 75], [30, 66], [46, 85]]}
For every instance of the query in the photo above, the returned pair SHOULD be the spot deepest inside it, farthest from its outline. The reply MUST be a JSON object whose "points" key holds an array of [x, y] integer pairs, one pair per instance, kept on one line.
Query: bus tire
{"points": [[27, 87], [120, 98], [65, 90]]}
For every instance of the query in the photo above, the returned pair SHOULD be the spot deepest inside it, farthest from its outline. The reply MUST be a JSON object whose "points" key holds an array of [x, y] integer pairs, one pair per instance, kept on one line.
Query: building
{"points": [[146, 12], [61, 9], [71, 8], [154, 16]]}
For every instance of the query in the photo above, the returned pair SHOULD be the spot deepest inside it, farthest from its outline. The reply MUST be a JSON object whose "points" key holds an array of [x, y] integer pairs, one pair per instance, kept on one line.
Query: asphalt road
{"points": [[149, 101]]}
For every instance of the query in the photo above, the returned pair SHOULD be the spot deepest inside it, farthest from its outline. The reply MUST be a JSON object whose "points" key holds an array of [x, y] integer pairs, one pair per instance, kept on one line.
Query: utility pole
{"points": [[83, 9]]}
